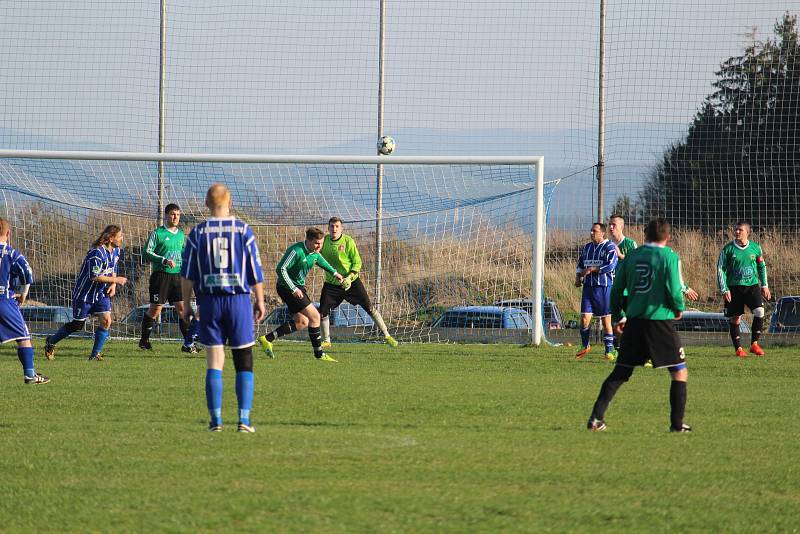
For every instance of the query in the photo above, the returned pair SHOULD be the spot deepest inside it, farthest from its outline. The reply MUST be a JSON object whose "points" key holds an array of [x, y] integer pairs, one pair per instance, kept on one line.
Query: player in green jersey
{"points": [[616, 226], [163, 249], [742, 280], [643, 318], [340, 250], [295, 264]]}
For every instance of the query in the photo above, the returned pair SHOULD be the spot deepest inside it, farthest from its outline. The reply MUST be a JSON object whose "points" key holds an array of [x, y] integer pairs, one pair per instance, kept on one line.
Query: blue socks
{"points": [[214, 395], [100, 337], [585, 337], [244, 394], [25, 355], [608, 340], [194, 328], [60, 334]]}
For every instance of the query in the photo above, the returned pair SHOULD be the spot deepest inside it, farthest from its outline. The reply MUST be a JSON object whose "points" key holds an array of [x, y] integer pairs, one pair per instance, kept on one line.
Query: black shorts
{"points": [[644, 339], [292, 302], [742, 296], [333, 295], [165, 287]]}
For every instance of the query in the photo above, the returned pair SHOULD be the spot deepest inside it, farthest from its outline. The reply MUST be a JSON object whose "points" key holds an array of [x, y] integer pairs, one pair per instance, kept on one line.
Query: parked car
{"points": [[44, 319], [168, 323], [695, 321], [786, 316], [552, 318], [484, 317], [343, 315]]}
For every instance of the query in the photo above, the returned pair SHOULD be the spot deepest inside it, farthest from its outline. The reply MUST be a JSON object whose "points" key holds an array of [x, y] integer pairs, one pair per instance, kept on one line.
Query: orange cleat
{"points": [[583, 352], [756, 349], [741, 353]]}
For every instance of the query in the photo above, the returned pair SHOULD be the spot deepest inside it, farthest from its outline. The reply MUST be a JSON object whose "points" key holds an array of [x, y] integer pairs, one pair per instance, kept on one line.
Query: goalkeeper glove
{"points": [[346, 283]]}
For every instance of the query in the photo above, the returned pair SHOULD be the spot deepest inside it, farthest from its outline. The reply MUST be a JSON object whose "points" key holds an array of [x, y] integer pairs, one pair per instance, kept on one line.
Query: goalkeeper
{"points": [[339, 249]]}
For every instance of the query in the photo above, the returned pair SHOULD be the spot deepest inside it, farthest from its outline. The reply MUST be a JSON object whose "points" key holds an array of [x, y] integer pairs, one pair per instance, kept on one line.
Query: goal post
{"points": [[459, 230]]}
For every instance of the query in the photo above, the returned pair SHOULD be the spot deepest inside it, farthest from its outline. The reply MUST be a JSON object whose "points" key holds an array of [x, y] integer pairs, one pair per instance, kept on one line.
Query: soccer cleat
{"points": [[267, 346], [49, 349], [583, 352], [145, 345], [247, 429], [96, 358], [191, 349], [326, 358], [214, 427], [326, 344], [611, 356], [37, 379], [740, 352], [756, 349], [683, 428], [392, 342], [596, 425], [648, 364]]}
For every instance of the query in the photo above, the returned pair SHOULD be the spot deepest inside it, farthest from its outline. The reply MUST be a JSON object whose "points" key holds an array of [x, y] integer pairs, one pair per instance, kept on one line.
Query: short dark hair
{"points": [[335, 219], [616, 216], [601, 225], [314, 234], [171, 207], [657, 230], [742, 223]]}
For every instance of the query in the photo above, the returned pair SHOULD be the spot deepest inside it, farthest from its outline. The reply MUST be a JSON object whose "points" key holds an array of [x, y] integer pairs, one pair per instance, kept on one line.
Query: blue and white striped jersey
{"points": [[14, 270], [221, 257], [602, 255], [99, 261]]}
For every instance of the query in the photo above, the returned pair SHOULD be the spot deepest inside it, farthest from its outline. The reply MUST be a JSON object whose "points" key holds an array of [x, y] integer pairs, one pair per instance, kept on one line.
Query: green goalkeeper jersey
{"points": [[741, 266], [648, 285], [343, 256], [163, 245], [295, 264]]}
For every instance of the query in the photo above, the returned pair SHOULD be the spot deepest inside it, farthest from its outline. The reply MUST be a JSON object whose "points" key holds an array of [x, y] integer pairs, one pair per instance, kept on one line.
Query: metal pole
{"points": [[601, 121], [379, 167], [537, 291], [162, 111]]}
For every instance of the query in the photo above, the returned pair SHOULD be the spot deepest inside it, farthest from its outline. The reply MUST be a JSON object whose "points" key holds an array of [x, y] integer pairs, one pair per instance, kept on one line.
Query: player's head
{"points": [[172, 215], [335, 227], [314, 239], [616, 224], [741, 230], [218, 198], [110, 236], [5, 229], [598, 232], [658, 231]]}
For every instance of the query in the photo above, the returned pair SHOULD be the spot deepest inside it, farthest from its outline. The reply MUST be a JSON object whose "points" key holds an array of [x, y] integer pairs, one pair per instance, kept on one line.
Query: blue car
{"points": [[497, 317], [786, 316]]}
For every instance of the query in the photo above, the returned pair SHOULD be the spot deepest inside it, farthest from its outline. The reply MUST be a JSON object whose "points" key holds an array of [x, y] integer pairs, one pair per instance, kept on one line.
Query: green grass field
{"points": [[424, 438]]}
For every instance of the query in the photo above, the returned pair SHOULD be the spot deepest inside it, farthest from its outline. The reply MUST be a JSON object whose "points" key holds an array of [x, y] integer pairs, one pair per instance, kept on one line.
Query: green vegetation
{"points": [[424, 438]]}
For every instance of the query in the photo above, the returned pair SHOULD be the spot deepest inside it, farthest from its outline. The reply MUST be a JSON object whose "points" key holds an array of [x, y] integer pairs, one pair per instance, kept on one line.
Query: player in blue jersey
{"points": [[14, 269], [595, 270], [94, 288], [221, 264]]}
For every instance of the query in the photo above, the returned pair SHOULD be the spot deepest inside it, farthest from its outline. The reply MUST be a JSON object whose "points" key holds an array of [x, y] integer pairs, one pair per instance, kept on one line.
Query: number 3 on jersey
{"points": [[644, 277], [221, 252]]}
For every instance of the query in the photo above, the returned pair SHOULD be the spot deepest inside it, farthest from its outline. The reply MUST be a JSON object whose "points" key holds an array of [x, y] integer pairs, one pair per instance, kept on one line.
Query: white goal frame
{"points": [[537, 271]]}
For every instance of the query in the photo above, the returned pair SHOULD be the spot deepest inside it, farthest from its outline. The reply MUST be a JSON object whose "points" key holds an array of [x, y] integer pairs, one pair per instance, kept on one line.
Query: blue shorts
{"points": [[596, 300], [81, 310], [226, 320], [12, 325]]}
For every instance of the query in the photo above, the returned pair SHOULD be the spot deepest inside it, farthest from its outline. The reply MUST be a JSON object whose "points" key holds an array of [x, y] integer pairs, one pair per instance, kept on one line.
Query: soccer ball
{"points": [[386, 145]]}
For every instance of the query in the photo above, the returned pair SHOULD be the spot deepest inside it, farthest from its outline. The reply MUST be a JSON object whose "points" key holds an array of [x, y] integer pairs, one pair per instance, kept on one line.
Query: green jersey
{"points": [[626, 245], [295, 264], [652, 277], [741, 266], [162, 245], [343, 256]]}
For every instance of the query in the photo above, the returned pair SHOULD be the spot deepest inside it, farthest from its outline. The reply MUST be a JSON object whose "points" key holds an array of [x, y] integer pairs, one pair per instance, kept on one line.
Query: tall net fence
{"points": [[701, 101]]}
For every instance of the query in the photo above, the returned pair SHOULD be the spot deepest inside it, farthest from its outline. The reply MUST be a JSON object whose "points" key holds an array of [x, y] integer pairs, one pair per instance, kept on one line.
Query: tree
{"points": [[741, 155]]}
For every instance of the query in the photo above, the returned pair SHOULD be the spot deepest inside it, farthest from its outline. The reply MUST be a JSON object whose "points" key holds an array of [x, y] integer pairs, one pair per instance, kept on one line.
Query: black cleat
{"points": [[145, 345], [214, 427], [683, 428], [191, 349], [49, 349], [37, 379], [596, 425], [97, 358]]}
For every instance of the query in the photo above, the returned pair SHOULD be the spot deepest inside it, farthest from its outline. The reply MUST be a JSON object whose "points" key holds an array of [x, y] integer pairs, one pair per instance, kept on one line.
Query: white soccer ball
{"points": [[386, 145]]}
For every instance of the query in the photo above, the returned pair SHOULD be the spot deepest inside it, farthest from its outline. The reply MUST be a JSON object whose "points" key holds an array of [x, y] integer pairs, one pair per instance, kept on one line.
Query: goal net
{"points": [[456, 236]]}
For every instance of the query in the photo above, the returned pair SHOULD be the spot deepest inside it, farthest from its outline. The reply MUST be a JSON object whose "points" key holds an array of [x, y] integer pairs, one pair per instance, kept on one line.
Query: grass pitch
{"points": [[423, 438]]}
